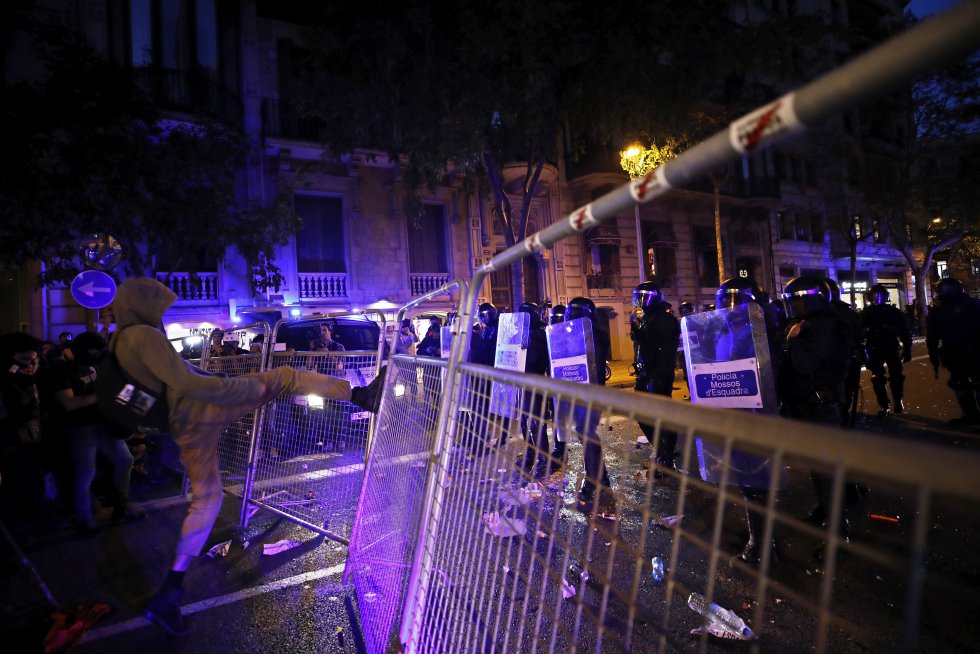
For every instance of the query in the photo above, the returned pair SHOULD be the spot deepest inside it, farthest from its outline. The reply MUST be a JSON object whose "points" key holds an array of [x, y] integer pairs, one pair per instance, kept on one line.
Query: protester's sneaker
{"points": [[369, 397], [163, 611]]}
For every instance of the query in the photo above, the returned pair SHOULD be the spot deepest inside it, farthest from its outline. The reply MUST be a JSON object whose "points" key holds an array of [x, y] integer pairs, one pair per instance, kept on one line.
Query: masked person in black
{"points": [[811, 378], [889, 344], [655, 334], [953, 340], [858, 356]]}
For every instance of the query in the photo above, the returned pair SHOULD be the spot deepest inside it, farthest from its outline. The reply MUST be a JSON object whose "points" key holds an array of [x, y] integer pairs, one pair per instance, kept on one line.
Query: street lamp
{"points": [[637, 161]]}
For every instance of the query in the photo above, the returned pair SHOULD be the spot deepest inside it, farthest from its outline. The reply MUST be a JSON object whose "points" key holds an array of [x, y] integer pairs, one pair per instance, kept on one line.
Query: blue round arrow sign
{"points": [[93, 289]]}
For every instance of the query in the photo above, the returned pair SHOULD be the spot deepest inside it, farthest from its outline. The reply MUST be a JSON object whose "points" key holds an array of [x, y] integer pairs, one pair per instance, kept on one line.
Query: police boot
{"points": [[880, 385], [752, 553], [898, 390]]}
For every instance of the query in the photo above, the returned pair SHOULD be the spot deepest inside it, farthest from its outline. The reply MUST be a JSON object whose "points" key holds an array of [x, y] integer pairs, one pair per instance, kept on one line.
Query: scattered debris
{"points": [[504, 527], [279, 546], [719, 622], [667, 521], [219, 550], [514, 496], [567, 590], [658, 569]]}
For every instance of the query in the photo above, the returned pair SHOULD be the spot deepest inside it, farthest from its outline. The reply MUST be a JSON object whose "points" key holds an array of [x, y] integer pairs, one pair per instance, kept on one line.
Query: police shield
{"points": [[513, 334], [572, 354], [728, 366]]}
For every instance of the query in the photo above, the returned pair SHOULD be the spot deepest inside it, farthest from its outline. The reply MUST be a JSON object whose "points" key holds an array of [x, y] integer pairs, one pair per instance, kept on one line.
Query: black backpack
{"points": [[127, 403]]}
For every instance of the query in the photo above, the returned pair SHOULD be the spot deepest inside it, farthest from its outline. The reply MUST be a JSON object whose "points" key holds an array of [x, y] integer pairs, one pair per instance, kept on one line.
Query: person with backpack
{"points": [[87, 432], [199, 407]]}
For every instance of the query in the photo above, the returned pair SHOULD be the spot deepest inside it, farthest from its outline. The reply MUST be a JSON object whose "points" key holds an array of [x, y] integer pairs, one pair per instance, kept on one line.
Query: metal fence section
{"points": [[307, 461], [235, 443], [502, 559], [389, 510], [520, 563]]}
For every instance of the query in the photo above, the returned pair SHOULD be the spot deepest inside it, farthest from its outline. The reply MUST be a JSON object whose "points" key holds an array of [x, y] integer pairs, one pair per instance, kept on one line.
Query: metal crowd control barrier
{"points": [[389, 510], [482, 563], [307, 461], [237, 439]]}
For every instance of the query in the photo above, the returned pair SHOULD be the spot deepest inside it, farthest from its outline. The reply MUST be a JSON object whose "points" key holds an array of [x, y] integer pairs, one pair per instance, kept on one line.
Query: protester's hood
{"points": [[141, 301]]}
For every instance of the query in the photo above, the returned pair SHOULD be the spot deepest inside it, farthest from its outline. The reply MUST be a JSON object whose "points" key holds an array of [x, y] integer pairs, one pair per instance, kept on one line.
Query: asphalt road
{"points": [[295, 602]]}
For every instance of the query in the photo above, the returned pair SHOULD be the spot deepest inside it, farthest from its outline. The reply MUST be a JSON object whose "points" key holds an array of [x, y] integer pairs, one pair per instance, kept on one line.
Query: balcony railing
{"points": [[323, 286], [603, 281], [279, 118], [197, 289], [423, 283], [189, 91]]}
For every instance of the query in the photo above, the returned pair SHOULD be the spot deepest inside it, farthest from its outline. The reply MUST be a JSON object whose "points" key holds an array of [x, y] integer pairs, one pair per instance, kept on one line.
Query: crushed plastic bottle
{"points": [[576, 578], [719, 621], [658, 569]]}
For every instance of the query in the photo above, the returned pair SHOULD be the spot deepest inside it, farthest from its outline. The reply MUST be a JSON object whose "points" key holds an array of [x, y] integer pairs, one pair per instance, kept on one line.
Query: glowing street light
{"points": [[637, 160]]}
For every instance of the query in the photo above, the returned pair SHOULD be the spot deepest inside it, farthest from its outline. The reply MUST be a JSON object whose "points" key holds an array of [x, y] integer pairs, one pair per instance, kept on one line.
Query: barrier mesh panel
{"points": [[310, 455], [233, 447], [518, 559], [382, 546]]}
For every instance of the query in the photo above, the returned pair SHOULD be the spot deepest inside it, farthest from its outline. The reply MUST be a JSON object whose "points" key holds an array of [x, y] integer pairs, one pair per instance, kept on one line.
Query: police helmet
{"points": [[685, 308], [648, 295], [487, 313], [805, 295], [734, 292], [877, 294], [950, 288], [580, 307], [557, 314], [834, 289], [534, 311]]}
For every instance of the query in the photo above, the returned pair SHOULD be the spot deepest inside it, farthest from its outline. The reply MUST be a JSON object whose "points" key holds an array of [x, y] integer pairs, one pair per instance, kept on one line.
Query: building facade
{"points": [[782, 214]]}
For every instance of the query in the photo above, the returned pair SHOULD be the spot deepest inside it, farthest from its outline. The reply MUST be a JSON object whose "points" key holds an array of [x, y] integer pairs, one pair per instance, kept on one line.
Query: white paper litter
{"points": [[515, 497], [535, 491], [717, 631], [567, 590], [219, 550], [504, 527], [279, 546], [667, 521]]}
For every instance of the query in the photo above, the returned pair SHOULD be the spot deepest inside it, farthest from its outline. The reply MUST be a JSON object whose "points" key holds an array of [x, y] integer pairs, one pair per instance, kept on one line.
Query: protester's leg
{"points": [[118, 454], [83, 450]]}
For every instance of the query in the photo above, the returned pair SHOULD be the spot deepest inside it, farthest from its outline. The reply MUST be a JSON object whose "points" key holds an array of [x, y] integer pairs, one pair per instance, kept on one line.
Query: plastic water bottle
{"points": [[577, 574], [720, 618], [658, 569]]}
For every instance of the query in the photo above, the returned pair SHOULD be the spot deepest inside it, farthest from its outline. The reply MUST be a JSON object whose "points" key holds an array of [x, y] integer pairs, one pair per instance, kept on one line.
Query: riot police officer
{"points": [[483, 348], [532, 423], [858, 356], [953, 340], [731, 294], [595, 468], [889, 344], [684, 309], [811, 378], [655, 334], [556, 314]]}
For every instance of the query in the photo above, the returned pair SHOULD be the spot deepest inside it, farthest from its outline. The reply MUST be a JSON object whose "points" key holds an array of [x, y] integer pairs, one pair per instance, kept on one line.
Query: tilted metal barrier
{"points": [[389, 511], [492, 559], [307, 460]]}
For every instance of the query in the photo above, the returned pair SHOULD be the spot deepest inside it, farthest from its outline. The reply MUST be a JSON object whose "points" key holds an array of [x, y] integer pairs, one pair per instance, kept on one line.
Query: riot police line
{"points": [[799, 357]]}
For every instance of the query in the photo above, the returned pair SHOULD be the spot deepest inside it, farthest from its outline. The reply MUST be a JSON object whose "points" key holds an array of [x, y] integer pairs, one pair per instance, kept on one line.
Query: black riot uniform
{"points": [[858, 355], [733, 293], [532, 415], [483, 350], [595, 468], [953, 340], [812, 376], [889, 343], [655, 334]]}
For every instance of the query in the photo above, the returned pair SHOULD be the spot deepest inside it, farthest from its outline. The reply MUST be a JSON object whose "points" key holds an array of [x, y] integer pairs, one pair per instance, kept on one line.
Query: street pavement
{"points": [[295, 601]]}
